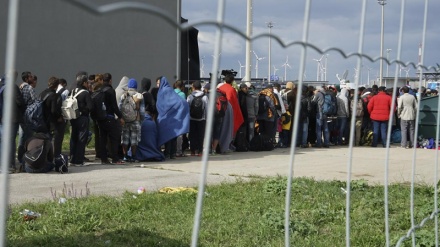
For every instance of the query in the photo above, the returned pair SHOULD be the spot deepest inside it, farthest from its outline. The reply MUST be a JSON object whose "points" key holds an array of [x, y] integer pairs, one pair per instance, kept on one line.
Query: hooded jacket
{"points": [[379, 107], [343, 108]]}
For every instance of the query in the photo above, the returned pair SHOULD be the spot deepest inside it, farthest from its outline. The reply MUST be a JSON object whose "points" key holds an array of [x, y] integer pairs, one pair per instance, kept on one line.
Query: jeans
{"points": [[322, 126], [251, 128], [303, 131], [24, 133], [49, 167], [11, 142], [342, 122], [407, 126], [380, 128]]}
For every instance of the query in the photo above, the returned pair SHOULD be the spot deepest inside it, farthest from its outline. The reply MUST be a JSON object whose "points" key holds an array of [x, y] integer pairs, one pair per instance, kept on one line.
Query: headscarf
{"points": [[173, 118]]}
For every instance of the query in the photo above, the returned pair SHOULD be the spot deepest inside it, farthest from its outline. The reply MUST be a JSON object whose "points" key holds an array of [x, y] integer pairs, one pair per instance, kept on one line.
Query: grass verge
{"points": [[239, 214]]}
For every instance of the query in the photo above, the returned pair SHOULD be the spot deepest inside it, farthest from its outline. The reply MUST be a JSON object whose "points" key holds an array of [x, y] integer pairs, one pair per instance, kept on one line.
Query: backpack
{"points": [[1, 101], [330, 106], [262, 104], [241, 143], [32, 156], [221, 104], [69, 107], [34, 117], [260, 143], [99, 110], [128, 108], [196, 108], [367, 138]]}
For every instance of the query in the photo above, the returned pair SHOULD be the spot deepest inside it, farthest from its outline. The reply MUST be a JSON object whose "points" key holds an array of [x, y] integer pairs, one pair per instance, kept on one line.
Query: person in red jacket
{"points": [[379, 108], [231, 95]]}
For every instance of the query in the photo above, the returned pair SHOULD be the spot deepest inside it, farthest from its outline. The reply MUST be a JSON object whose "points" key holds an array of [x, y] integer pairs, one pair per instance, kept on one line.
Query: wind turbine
{"points": [[256, 63], [285, 65], [241, 66], [368, 79], [274, 71], [356, 74], [319, 68], [407, 72]]}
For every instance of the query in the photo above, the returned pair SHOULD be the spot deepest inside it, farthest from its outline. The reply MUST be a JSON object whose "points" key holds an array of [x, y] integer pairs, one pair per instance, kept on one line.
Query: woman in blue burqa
{"points": [[172, 121]]}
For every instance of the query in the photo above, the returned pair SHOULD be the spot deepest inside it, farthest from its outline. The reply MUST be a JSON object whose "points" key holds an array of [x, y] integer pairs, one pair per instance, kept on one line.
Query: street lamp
{"points": [[388, 55], [382, 3], [270, 26]]}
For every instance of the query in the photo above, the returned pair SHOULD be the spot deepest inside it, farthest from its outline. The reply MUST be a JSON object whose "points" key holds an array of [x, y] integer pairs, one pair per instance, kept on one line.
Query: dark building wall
{"points": [[56, 38]]}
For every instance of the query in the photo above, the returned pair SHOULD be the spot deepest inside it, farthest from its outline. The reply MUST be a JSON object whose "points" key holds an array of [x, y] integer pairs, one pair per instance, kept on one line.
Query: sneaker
{"points": [[118, 162], [304, 146], [127, 158], [213, 153], [78, 165], [86, 159], [105, 162], [62, 169]]}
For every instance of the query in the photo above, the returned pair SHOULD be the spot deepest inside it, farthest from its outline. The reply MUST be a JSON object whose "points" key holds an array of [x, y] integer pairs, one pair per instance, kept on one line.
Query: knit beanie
{"points": [[132, 83]]}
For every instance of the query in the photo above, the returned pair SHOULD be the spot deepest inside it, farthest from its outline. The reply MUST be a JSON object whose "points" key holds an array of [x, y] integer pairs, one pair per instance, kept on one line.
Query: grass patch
{"points": [[240, 214]]}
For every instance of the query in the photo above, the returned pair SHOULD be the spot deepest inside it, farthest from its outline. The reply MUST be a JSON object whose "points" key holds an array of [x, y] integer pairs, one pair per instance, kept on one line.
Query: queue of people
{"points": [[133, 123]]}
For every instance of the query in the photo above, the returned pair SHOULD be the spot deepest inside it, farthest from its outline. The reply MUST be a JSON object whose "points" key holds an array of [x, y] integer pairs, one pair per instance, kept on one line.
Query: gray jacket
{"points": [[407, 107], [318, 99], [252, 104], [342, 99]]}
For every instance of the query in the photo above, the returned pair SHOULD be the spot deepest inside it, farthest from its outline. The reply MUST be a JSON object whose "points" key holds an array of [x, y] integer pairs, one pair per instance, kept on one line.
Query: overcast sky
{"points": [[333, 23]]}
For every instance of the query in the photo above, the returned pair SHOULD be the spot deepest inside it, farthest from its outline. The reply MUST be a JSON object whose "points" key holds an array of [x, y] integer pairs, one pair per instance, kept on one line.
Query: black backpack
{"points": [[260, 142], [99, 110], [196, 109], [34, 115], [263, 105], [241, 142]]}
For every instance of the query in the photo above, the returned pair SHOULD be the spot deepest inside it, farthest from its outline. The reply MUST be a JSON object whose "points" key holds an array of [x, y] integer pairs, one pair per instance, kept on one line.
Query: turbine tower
{"points": [[256, 63], [241, 66], [319, 69], [285, 65]]}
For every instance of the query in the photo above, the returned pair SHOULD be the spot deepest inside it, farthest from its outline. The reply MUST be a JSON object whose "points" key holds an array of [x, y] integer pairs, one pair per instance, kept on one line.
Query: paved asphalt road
{"points": [[321, 164]]}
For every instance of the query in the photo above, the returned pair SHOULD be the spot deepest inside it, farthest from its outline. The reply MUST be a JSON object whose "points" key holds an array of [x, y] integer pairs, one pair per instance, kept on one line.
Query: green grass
{"points": [[239, 214]]}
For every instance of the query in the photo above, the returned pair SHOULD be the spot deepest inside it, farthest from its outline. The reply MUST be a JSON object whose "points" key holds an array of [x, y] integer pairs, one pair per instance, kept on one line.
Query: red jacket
{"points": [[379, 107]]}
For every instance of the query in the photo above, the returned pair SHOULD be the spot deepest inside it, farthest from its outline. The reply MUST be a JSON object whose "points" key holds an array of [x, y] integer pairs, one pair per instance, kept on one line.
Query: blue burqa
{"points": [[173, 118], [147, 149]]}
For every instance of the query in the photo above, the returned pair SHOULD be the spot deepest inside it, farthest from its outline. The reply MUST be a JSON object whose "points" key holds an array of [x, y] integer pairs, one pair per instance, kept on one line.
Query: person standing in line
{"points": [[110, 128], [131, 130], [179, 86], [231, 95], [252, 110], [321, 120], [407, 111], [51, 107], [379, 108], [197, 121], [27, 89], [80, 125], [17, 119]]}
